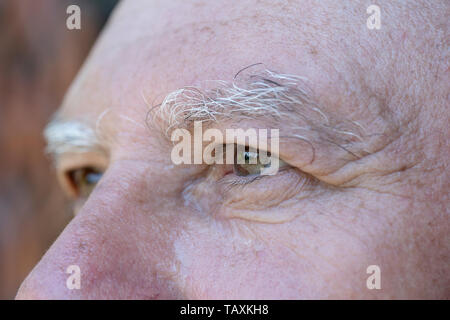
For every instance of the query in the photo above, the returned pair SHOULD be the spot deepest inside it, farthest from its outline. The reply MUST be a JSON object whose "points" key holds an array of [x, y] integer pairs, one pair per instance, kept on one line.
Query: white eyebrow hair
{"points": [[69, 137], [267, 94], [264, 94]]}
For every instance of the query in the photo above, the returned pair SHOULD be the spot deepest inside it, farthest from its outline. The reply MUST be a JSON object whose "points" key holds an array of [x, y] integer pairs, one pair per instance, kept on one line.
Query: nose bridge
{"points": [[121, 244]]}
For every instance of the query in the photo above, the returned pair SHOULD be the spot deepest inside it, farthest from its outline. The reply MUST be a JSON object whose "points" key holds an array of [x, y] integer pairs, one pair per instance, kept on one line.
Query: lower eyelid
{"points": [[221, 196], [230, 182], [240, 181], [264, 198]]}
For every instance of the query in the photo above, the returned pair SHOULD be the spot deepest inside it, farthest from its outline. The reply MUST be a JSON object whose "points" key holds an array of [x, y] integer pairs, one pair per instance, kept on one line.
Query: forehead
{"points": [[151, 48]]}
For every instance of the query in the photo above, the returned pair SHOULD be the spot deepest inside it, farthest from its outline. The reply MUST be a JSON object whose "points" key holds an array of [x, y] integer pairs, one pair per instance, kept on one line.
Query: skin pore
{"points": [[153, 230]]}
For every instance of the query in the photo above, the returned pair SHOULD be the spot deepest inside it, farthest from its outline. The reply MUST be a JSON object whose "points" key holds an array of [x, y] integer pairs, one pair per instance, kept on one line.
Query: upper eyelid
{"points": [[68, 162], [256, 149]]}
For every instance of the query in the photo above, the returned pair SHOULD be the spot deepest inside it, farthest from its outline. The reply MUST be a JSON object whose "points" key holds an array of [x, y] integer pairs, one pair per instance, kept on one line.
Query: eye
{"points": [[251, 162], [84, 180]]}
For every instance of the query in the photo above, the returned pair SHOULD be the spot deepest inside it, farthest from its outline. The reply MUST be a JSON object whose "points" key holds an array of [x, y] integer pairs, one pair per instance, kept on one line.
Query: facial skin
{"points": [[153, 230]]}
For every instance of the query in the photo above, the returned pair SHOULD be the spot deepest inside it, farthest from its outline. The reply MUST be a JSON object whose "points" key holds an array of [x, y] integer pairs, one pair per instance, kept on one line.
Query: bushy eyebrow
{"points": [[267, 94], [284, 99], [69, 136]]}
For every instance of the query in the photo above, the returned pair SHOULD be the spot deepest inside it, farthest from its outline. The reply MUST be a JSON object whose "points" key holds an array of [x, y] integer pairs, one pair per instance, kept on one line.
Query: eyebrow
{"points": [[267, 94], [69, 136], [282, 98]]}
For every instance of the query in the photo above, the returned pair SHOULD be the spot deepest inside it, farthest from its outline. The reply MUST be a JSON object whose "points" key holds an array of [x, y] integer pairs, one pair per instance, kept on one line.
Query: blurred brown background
{"points": [[39, 57]]}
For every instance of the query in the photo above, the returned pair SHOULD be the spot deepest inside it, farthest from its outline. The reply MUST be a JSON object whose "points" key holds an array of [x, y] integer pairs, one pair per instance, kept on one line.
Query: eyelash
{"points": [[73, 176], [241, 181], [79, 180]]}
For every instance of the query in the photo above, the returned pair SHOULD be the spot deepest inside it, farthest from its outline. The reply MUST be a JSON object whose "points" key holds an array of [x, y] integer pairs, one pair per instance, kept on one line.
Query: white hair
{"points": [[69, 136], [264, 94], [261, 97]]}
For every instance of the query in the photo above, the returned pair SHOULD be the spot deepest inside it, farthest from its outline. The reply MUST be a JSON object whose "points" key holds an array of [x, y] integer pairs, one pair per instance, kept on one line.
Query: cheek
{"points": [[314, 256], [213, 273], [232, 263]]}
